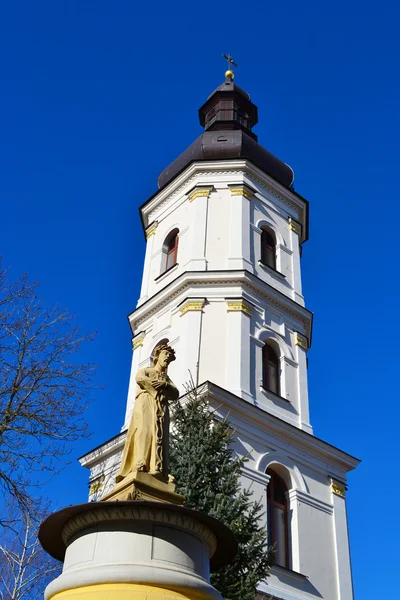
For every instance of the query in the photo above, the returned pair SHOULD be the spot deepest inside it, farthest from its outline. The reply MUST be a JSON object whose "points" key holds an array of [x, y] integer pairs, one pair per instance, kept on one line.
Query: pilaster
{"points": [[137, 347], [301, 344], [239, 247], [150, 236], [306, 512], [198, 198], [190, 317], [342, 549], [295, 233], [238, 347]]}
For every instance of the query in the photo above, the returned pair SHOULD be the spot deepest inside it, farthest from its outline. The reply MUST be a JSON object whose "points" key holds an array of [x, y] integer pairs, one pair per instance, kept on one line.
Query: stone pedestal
{"points": [[144, 486], [135, 550]]}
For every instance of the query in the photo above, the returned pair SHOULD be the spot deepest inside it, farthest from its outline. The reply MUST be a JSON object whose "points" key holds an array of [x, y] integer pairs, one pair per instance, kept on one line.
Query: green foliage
{"points": [[208, 474]]}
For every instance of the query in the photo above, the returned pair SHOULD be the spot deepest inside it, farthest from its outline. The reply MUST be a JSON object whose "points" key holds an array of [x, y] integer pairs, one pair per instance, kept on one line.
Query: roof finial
{"points": [[229, 74]]}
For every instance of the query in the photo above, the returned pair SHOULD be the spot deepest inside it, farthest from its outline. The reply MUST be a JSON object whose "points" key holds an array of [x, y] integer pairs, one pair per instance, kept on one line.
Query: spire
{"points": [[229, 107], [229, 74], [228, 116]]}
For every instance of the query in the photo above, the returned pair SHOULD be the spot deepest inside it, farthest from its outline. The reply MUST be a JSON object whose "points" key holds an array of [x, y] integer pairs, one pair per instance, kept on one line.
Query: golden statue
{"points": [[143, 472], [146, 445]]}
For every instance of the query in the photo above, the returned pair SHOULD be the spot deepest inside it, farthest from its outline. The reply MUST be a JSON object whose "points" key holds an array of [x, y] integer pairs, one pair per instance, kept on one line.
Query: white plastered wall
{"points": [[219, 215]]}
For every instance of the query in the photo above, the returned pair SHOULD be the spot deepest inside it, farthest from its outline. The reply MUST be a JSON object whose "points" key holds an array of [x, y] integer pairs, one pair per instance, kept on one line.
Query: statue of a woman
{"points": [[147, 440]]}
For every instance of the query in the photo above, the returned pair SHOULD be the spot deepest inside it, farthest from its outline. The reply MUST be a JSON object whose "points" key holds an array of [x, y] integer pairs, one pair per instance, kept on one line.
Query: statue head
{"points": [[163, 354]]}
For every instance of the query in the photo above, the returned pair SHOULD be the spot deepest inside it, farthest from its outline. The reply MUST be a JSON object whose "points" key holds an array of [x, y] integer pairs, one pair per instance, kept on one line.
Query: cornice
{"points": [[109, 447], [304, 498], [317, 453], [241, 170], [194, 279], [249, 419]]}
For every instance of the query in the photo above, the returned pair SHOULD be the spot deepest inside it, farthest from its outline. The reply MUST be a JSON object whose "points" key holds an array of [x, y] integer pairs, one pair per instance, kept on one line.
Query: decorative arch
{"points": [[170, 250], [266, 335], [265, 224], [285, 468]]}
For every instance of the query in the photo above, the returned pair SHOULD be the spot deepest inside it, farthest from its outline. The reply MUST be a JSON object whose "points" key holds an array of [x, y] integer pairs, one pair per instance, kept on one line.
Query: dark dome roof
{"points": [[228, 116], [222, 145]]}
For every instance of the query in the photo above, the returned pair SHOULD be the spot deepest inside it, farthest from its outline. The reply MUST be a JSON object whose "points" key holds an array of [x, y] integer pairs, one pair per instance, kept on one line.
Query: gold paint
{"points": [[200, 193], [239, 306], [96, 486], [146, 444], [339, 490], [191, 306], [229, 74], [301, 341], [145, 486], [137, 343], [126, 591], [242, 191], [151, 230], [294, 226]]}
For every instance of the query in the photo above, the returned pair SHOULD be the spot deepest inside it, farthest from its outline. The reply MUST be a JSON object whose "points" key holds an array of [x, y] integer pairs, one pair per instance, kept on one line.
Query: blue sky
{"points": [[98, 97]]}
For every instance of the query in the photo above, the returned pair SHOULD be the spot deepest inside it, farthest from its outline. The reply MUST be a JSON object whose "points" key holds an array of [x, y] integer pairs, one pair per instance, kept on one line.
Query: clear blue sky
{"points": [[98, 97]]}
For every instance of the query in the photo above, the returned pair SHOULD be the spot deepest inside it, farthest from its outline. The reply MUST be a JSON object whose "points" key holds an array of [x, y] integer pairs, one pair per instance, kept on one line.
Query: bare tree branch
{"points": [[44, 390], [25, 568]]}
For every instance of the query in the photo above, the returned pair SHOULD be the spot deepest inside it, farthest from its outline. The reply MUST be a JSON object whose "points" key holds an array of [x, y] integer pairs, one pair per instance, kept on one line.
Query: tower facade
{"points": [[222, 284]]}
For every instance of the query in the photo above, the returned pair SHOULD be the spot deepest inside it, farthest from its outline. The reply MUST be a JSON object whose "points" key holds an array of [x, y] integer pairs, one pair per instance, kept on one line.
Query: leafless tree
{"points": [[25, 568], [44, 390]]}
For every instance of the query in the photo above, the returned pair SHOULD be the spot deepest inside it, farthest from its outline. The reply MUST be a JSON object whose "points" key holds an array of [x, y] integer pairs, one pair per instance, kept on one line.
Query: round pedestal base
{"points": [[149, 550]]}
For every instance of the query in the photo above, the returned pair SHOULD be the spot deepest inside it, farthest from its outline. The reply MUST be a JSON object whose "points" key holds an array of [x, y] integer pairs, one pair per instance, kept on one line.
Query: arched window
{"points": [[170, 250], [278, 524], [268, 248], [271, 370]]}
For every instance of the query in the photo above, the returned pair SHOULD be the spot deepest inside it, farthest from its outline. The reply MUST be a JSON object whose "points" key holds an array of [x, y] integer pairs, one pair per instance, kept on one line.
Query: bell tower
{"points": [[222, 285]]}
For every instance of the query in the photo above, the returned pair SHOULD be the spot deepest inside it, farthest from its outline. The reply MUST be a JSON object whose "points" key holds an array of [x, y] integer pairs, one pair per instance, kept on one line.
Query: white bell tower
{"points": [[222, 283]]}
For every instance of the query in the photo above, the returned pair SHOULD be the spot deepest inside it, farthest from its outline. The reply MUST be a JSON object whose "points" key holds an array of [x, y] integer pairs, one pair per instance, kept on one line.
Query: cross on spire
{"points": [[230, 60]]}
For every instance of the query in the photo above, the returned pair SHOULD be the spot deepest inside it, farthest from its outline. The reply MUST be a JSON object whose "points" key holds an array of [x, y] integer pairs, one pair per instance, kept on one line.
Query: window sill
{"points": [[165, 273], [273, 396], [271, 271], [285, 572]]}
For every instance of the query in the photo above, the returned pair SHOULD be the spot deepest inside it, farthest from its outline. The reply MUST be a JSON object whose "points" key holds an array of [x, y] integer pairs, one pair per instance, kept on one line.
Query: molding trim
{"points": [[200, 191], [241, 190], [256, 476], [301, 341], [207, 281], [151, 230], [339, 489], [191, 306], [294, 226], [235, 170], [304, 498], [239, 306], [140, 513], [96, 485], [275, 457], [137, 343]]}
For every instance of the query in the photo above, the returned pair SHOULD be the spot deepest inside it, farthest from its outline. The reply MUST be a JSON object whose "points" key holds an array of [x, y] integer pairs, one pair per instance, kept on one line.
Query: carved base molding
{"points": [[145, 486], [135, 543]]}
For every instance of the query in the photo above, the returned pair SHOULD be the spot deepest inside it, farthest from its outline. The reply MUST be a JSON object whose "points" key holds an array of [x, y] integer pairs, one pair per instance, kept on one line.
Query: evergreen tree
{"points": [[208, 475]]}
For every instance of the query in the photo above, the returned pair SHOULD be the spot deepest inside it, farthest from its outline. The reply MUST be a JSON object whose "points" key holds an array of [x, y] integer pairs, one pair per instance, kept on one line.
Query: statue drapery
{"points": [[147, 441]]}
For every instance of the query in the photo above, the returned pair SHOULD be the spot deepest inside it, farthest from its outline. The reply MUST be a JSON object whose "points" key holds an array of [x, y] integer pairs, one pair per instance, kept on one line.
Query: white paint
{"points": [[219, 262], [171, 552]]}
